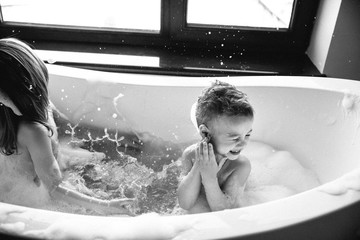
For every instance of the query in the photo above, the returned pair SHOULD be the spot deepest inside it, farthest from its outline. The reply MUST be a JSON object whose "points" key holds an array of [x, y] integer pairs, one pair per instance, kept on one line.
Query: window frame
{"points": [[294, 39], [192, 53], [175, 32]]}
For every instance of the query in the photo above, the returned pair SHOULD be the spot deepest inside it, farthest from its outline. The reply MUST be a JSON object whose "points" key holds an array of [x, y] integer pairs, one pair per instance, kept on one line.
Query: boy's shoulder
{"points": [[189, 152], [241, 164]]}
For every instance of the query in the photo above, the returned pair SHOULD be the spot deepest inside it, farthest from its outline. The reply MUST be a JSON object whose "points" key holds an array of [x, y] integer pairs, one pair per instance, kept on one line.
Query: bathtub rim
{"points": [[307, 82], [267, 224]]}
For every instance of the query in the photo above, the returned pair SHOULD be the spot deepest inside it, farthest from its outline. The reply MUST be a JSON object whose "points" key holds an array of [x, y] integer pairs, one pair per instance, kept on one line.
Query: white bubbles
{"points": [[275, 174], [342, 185], [350, 105], [51, 60], [350, 102]]}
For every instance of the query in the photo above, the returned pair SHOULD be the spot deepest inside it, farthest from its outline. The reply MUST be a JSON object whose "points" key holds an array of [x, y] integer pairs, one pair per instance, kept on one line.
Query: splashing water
{"points": [[147, 171]]}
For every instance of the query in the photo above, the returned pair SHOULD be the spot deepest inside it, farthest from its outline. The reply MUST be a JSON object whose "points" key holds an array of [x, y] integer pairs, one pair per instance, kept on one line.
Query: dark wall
{"points": [[343, 58]]}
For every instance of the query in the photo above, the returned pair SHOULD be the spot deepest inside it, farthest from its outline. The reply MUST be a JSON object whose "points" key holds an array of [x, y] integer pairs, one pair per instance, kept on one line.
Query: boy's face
{"points": [[230, 135]]}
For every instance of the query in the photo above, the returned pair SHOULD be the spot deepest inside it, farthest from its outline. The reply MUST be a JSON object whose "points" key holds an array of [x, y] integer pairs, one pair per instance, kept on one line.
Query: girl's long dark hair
{"points": [[24, 78]]}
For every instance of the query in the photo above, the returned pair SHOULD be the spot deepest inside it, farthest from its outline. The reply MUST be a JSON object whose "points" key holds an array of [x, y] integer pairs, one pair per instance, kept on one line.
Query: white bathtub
{"points": [[314, 118]]}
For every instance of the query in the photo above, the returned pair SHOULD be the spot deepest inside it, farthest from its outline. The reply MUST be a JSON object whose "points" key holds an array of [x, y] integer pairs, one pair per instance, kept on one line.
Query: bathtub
{"points": [[317, 119]]}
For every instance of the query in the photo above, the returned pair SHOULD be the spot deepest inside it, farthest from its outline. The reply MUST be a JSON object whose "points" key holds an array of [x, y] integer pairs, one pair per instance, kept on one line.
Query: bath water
{"points": [[106, 164], [149, 169], [145, 169]]}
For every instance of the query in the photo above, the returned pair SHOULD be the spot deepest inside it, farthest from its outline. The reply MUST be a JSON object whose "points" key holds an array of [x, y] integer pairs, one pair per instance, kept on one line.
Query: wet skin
{"points": [[215, 173]]}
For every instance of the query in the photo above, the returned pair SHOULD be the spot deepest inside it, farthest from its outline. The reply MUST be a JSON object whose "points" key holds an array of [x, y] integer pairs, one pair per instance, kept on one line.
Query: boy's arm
{"points": [[228, 197], [189, 187]]}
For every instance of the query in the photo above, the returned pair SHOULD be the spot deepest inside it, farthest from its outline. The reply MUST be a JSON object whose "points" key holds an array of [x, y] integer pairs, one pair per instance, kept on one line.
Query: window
{"points": [[113, 14], [241, 13], [173, 31]]}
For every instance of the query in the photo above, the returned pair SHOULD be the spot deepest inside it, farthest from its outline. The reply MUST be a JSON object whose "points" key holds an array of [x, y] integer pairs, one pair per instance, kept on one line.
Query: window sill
{"points": [[166, 61]]}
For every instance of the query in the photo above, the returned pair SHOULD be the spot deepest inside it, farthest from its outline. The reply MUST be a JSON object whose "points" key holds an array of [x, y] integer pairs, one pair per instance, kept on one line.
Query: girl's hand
{"points": [[207, 161], [121, 206]]}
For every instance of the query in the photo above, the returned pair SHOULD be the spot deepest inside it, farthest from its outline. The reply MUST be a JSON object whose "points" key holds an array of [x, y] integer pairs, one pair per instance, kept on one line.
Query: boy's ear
{"points": [[204, 131]]}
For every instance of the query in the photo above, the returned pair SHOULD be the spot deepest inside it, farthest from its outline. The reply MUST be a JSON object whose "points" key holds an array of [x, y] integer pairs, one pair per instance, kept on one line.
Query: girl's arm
{"points": [[37, 141], [189, 187], [117, 206]]}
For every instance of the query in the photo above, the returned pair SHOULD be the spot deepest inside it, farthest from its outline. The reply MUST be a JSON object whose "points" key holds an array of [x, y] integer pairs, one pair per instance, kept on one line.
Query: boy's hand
{"points": [[207, 161]]}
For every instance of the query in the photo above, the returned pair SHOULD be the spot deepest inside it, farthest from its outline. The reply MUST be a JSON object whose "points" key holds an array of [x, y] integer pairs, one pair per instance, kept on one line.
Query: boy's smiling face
{"points": [[230, 135]]}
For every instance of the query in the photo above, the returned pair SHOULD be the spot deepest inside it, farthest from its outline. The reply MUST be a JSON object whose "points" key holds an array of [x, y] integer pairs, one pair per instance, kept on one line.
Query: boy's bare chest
{"points": [[224, 173]]}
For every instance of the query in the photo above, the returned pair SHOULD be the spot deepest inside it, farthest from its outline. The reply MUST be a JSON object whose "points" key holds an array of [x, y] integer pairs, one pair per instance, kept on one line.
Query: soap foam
{"points": [[349, 181], [274, 175]]}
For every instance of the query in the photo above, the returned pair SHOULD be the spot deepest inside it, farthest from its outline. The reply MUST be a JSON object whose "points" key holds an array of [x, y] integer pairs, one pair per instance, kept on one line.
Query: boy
{"points": [[214, 171]]}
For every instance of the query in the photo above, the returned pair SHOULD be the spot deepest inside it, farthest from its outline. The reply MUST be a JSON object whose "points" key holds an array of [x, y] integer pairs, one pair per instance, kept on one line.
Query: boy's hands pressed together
{"points": [[207, 162]]}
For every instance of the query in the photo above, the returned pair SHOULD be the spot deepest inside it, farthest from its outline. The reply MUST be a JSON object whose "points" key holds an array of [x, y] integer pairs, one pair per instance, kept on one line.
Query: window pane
{"points": [[122, 14], [247, 13]]}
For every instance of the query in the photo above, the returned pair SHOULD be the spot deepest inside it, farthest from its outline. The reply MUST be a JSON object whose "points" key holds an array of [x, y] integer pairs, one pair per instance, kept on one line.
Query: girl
{"points": [[29, 172]]}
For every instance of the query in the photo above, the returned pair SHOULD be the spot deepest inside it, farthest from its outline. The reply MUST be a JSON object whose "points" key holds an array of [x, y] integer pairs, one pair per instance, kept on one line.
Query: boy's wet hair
{"points": [[222, 99]]}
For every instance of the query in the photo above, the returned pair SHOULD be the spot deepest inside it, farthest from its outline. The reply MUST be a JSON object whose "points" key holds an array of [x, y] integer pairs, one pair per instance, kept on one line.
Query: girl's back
{"points": [[17, 181]]}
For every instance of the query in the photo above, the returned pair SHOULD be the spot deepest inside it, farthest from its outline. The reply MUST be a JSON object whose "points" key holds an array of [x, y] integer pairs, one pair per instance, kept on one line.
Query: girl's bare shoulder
{"points": [[32, 128], [31, 131]]}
